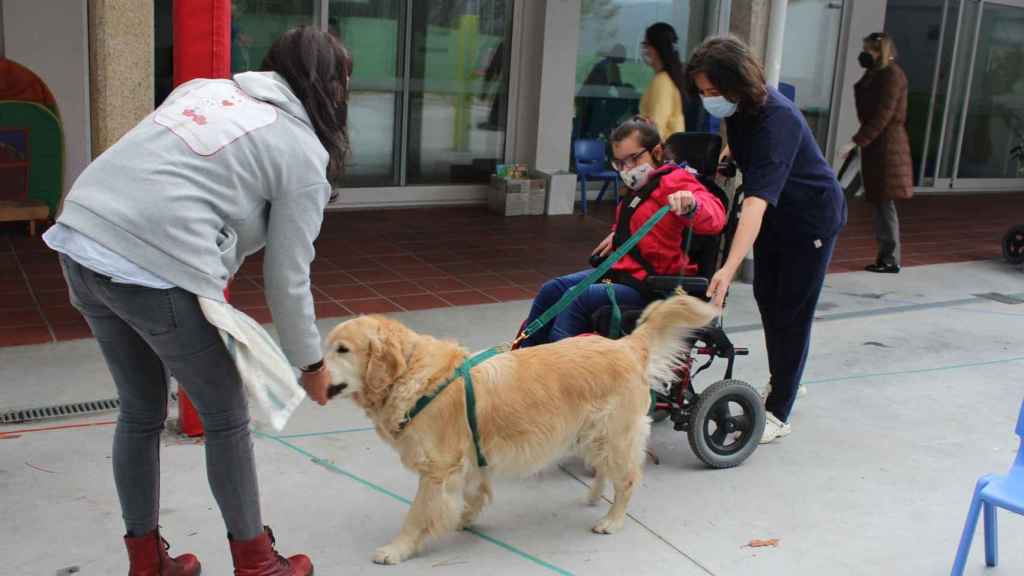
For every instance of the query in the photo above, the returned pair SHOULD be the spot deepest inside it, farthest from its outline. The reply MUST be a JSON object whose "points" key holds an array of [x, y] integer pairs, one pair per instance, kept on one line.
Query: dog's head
{"points": [[365, 356]]}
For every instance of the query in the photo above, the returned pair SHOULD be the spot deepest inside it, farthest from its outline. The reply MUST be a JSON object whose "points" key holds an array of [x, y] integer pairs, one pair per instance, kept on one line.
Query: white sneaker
{"points": [[774, 428]]}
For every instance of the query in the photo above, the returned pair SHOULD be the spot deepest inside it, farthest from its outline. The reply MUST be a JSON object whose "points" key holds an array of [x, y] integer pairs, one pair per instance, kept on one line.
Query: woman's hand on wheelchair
{"points": [[604, 248], [719, 285]]}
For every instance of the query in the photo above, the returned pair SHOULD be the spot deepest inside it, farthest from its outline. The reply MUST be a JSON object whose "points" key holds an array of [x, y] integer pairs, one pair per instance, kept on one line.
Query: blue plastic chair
{"points": [[592, 164], [991, 493], [788, 90]]}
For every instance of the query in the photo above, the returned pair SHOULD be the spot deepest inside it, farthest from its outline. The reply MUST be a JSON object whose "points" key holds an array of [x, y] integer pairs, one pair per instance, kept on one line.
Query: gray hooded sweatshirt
{"points": [[221, 170]]}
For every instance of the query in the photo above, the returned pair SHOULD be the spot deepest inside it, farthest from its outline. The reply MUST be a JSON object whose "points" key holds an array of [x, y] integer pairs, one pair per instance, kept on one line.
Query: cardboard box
{"points": [[507, 200], [516, 197]]}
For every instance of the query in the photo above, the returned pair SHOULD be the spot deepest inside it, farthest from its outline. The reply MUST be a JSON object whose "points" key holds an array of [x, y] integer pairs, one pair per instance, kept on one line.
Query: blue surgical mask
{"points": [[718, 106]]}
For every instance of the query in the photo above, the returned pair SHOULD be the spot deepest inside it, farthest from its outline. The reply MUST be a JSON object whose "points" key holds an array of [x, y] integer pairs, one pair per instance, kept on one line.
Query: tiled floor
{"points": [[416, 259]]}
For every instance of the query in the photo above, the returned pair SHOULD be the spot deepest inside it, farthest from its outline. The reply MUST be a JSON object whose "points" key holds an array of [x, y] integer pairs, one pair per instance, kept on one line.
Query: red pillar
{"points": [[202, 49]]}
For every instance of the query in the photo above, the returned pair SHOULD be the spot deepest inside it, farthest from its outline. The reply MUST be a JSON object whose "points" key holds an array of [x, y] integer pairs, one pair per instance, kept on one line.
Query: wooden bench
{"points": [[32, 211]]}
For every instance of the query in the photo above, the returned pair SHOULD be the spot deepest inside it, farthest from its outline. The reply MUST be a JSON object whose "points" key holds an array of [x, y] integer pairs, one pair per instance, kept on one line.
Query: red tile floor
{"points": [[432, 258]]}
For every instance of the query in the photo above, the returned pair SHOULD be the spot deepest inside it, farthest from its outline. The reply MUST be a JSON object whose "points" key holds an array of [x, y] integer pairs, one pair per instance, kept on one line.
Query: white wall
{"points": [[558, 84], [863, 18], [51, 38]]}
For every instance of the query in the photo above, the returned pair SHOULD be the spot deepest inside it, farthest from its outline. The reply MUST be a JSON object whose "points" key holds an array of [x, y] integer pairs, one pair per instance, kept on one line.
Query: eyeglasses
{"points": [[630, 160]]}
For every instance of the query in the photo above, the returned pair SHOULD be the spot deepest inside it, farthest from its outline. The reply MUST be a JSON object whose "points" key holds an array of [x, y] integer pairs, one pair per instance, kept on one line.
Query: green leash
{"points": [[615, 327], [463, 371]]}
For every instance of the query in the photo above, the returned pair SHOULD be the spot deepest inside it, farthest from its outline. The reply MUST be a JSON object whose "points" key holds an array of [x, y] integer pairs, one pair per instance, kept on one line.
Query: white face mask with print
{"points": [[636, 177]]}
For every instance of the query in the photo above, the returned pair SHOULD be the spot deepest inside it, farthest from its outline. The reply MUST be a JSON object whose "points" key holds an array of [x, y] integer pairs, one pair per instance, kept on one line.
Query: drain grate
{"points": [[59, 411]]}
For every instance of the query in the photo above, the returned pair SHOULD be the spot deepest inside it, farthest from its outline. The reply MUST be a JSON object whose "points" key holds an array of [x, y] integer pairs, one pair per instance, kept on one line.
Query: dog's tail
{"points": [[662, 332]]}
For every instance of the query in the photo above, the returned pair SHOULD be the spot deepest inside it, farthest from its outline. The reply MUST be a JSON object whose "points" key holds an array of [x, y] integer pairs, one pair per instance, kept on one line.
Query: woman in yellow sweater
{"points": [[662, 102]]}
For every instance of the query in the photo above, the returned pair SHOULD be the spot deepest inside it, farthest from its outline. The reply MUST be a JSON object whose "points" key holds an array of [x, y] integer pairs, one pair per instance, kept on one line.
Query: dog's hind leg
{"points": [[434, 512], [624, 467], [475, 496]]}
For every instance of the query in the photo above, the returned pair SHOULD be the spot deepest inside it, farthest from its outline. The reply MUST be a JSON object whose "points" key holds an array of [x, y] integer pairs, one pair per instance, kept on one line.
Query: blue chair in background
{"points": [[788, 90], [592, 164], [991, 493]]}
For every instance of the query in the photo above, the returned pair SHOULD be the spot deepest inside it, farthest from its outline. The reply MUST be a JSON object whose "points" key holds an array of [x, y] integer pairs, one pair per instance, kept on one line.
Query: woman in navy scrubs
{"points": [[792, 211]]}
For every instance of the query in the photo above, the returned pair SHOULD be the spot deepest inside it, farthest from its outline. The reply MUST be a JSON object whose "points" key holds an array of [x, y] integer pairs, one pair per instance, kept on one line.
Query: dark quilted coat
{"points": [[886, 166]]}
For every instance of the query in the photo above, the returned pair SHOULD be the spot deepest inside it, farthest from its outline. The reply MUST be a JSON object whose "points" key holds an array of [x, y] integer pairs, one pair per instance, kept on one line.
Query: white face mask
{"points": [[636, 177], [718, 106]]}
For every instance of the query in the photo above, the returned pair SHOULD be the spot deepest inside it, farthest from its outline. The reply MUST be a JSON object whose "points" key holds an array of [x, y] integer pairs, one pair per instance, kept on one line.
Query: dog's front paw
{"points": [[390, 555], [607, 526]]}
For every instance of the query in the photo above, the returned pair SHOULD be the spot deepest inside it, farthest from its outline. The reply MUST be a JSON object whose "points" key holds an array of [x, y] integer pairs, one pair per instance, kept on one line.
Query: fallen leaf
{"points": [[773, 542]]}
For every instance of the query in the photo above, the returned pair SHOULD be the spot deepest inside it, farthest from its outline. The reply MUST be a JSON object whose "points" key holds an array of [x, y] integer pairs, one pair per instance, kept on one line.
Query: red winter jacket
{"points": [[663, 245]]}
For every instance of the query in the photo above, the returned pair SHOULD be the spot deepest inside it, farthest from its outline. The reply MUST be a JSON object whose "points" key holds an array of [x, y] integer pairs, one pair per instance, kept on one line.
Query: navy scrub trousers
{"points": [[788, 277], [783, 165]]}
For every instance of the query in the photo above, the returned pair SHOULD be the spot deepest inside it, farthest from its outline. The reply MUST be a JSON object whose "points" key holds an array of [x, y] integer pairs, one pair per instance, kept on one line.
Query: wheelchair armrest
{"points": [[666, 285]]}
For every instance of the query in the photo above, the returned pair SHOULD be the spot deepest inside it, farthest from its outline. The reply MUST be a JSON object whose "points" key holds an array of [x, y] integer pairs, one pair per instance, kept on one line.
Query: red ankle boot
{"points": [[147, 556], [257, 557]]}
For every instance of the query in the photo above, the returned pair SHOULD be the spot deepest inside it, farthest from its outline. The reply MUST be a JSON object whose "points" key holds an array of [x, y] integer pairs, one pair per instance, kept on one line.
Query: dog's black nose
{"points": [[335, 389]]}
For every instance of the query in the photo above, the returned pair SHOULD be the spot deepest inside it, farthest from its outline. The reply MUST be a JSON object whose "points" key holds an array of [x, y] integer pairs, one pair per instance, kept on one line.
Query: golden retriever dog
{"points": [[587, 395]]}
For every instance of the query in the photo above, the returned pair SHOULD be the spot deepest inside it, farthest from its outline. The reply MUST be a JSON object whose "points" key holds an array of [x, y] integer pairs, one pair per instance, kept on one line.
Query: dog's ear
{"points": [[386, 362]]}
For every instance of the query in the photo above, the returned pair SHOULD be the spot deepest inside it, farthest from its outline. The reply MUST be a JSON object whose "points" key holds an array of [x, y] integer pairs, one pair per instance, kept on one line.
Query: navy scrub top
{"points": [[783, 165]]}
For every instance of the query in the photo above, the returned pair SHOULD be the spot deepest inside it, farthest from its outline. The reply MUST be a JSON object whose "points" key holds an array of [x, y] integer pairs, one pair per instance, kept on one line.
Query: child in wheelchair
{"points": [[725, 420], [653, 182]]}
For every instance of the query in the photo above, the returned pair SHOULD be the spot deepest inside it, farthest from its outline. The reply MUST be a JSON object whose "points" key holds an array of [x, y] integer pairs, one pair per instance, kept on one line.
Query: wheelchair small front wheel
{"points": [[726, 423]]}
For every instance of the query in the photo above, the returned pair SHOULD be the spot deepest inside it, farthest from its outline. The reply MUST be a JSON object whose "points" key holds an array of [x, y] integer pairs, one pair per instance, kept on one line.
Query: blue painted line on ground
{"points": [[382, 490], [900, 309], [325, 433], [916, 370]]}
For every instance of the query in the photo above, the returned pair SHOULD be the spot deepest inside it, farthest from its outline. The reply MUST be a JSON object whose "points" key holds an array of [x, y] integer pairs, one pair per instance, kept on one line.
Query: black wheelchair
{"points": [[725, 420]]}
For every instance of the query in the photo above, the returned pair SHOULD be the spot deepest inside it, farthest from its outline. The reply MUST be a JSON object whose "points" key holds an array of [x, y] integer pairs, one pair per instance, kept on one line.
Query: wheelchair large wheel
{"points": [[726, 423], [1013, 245]]}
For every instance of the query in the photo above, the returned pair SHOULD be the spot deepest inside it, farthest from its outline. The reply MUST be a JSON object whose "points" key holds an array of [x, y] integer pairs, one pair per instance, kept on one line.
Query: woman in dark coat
{"points": [[886, 167]]}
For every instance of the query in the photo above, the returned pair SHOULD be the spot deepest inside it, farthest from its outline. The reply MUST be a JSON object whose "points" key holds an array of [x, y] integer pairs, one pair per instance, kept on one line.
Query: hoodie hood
{"points": [[272, 88]]}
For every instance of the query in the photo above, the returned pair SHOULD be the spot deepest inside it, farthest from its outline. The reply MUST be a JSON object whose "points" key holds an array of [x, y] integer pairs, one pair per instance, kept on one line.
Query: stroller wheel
{"points": [[726, 424], [1013, 245]]}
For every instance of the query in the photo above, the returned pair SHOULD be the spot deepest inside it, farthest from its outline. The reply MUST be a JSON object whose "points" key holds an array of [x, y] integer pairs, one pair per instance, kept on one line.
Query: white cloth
{"points": [[99, 258], [270, 381]]}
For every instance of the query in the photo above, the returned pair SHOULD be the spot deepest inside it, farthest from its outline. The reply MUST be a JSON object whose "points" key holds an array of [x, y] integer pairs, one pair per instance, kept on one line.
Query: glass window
{"points": [[429, 90], [255, 24], [993, 134], [372, 31], [811, 72], [458, 90], [925, 51], [610, 72]]}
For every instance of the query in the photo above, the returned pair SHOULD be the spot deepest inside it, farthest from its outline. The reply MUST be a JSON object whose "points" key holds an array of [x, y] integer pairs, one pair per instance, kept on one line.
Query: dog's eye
{"points": [[342, 349]]}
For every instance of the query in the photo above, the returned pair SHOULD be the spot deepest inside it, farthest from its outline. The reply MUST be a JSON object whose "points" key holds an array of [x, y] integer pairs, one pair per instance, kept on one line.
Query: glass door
{"points": [[925, 34], [374, 33], [964, 61], [989, 151]]}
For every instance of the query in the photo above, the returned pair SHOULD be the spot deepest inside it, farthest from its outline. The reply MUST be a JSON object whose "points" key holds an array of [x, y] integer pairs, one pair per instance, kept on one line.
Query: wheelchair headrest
{"points": [[700, 150]]}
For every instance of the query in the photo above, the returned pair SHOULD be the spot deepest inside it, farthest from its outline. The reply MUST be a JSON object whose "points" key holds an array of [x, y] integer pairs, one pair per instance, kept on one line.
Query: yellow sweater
{"points": [[663, 104]]}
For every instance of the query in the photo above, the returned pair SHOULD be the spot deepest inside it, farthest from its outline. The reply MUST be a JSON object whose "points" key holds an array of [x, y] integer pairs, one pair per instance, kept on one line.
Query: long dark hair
{"points": [[729, 65], [317, 68], [662, 38]]}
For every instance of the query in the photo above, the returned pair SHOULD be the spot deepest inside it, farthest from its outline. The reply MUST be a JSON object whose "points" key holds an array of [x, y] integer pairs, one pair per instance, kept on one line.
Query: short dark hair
{"points": [[648, 132], [729, 65], [317, 68]]}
